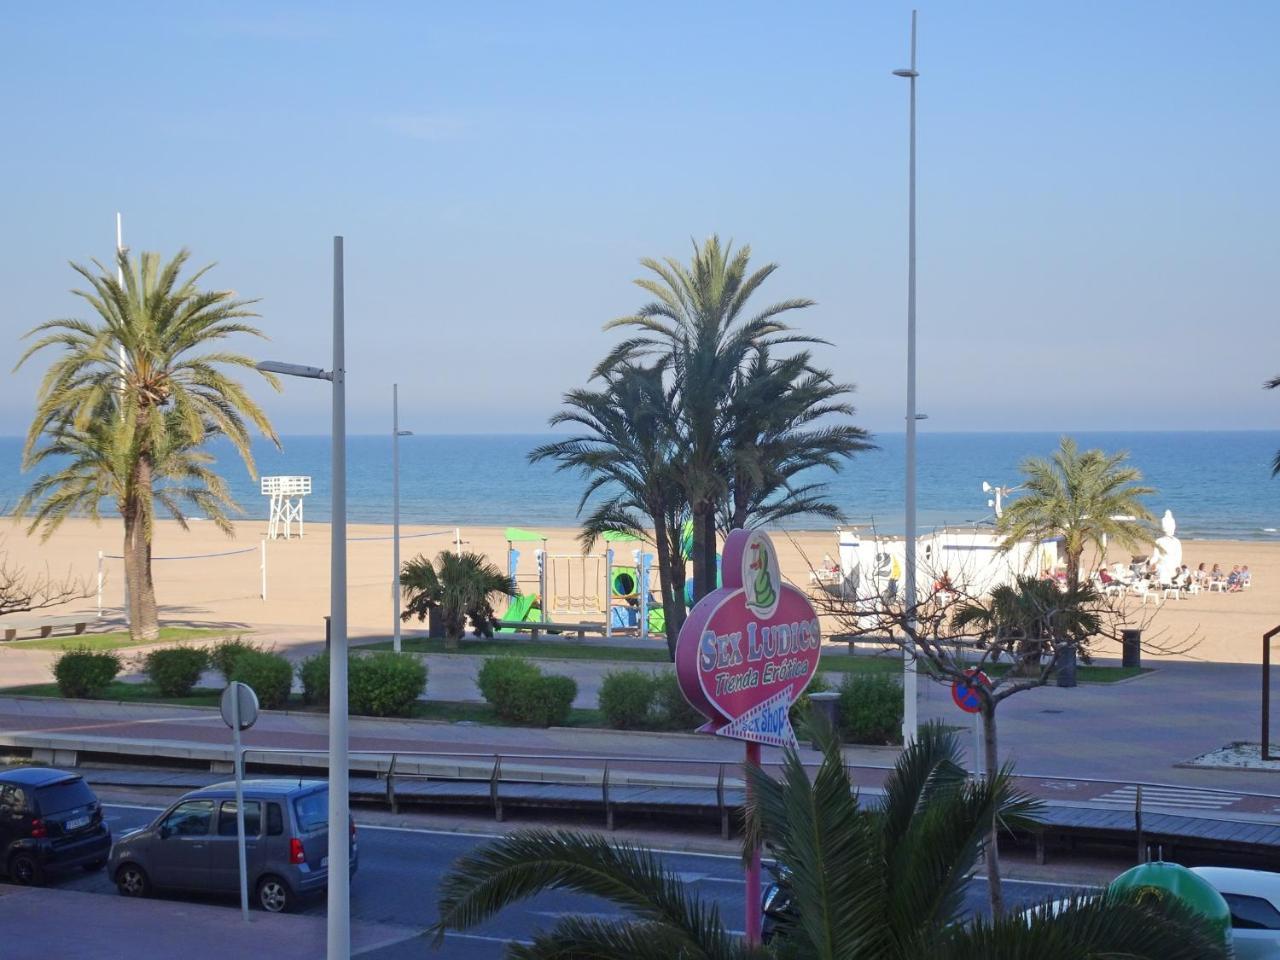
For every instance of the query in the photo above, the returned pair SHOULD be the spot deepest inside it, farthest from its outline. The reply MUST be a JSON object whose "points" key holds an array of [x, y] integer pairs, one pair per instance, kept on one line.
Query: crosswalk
{"points": [[1183, 798]]}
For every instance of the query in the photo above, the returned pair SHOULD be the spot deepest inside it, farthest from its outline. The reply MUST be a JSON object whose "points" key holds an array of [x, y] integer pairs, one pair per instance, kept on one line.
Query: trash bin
{"points": [[1066, 672], [826, 705], [1131, 648]]}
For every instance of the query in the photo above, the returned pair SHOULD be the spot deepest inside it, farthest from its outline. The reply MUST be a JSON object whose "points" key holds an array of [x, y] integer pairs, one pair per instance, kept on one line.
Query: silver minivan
{"points": [[192, 845]]}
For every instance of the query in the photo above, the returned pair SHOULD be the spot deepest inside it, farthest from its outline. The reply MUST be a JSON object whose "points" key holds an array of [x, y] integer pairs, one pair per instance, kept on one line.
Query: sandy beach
{"points": [[226, 589]]}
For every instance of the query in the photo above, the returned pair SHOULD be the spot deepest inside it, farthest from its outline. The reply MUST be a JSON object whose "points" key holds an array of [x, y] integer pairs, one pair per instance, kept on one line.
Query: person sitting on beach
{"points": [[1202, 576], [1245, 576], [1183, 578], [1215, 574], [1233, 580], [1105, 577]]}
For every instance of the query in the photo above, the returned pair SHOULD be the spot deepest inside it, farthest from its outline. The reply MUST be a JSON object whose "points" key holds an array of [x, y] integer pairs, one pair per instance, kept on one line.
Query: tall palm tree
{"points": [[773, 440], [628, 448], [1082, 497], [131, 398], [461, 585], [701, 321], [870, 882]]}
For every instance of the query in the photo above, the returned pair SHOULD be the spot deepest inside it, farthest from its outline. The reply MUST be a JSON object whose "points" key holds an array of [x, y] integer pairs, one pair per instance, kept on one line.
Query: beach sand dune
{"points": [[226, 589]]}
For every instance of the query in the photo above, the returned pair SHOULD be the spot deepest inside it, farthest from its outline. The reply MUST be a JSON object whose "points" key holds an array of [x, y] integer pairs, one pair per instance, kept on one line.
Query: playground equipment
{"points": [[627, 595], [286, 495], [527, 606]]}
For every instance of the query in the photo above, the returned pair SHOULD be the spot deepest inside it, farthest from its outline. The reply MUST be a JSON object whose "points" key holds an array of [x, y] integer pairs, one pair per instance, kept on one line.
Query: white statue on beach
{"points": [[1167, 555]]}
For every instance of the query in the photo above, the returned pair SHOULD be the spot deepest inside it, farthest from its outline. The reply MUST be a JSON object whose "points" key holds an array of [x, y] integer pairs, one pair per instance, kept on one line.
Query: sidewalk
{"points": [[89, 926]]}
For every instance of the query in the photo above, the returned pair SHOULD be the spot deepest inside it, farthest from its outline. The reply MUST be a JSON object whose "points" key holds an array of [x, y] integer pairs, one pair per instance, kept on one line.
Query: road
{"points": [[400, 870]]}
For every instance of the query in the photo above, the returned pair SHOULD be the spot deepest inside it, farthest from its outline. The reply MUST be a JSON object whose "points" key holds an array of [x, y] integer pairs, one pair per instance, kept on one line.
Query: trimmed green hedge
{"points": [[870, 708], [520, 693], [626, 699], [378, 685], [270, 675], [83, 673], [176, 670], [224, 655]]}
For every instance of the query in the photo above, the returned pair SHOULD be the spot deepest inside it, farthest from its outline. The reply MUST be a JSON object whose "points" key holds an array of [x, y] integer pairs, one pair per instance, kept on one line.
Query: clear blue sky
{"points": [[1098, 192]]}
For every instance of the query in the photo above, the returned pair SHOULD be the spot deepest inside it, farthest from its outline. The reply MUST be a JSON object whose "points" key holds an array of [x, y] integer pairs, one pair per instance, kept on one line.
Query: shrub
{"points": [[385, 684], [85, 673], [557, 694], [225, 653], [800, 709], [175, 670], [270, 675], [519, 693], [314, 674], [626, 699], [870, 708], [672, 711]]}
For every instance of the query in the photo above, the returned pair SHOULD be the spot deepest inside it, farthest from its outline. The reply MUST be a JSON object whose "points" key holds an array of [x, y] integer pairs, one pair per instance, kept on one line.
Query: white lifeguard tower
{"points": [[286, 495]]}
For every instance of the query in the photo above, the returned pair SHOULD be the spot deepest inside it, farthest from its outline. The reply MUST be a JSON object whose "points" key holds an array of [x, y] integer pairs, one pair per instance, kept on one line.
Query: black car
{"points": [[49, 820]]}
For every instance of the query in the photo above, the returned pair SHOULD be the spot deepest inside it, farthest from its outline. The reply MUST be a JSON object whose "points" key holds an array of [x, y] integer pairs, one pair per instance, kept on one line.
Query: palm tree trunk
{"points": [[992, 762], [144, 623], [672, 616], [699, 558], [1073, 569], [709, 545]]}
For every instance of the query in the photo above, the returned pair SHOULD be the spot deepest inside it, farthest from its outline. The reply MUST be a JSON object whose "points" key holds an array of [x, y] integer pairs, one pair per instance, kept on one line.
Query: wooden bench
{"points": [[535, 627], [11, 628]]}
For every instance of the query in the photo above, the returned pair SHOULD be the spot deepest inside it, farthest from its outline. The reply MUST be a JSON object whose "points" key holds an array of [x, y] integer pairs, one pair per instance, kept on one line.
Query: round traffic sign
{"points": [[239, 695], [965, 692]]}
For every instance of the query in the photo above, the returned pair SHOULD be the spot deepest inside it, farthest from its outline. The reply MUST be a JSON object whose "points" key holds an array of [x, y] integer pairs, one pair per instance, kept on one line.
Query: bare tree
{"points": [[1021, 633], [22, 591]]}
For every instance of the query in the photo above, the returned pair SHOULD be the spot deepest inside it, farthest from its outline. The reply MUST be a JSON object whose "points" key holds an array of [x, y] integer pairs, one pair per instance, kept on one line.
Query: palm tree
{"points": [[627, 449], [132, 397], [871, 882], [700, 321], [772, 440], [1275, 466], [1083, 497], [461, 585]]}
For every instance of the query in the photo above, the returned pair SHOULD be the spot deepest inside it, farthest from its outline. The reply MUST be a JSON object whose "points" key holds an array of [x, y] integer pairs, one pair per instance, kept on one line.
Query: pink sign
{"points": [[750, 648]]}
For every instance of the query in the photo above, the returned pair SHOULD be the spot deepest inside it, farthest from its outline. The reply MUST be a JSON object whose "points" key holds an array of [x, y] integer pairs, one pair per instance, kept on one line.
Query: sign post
{"points": [[239, 706], [966, 695], [744, 655]]}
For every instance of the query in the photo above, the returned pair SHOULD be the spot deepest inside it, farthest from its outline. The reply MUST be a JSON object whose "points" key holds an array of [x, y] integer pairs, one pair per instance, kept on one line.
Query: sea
{"points": [[1218, 484]]}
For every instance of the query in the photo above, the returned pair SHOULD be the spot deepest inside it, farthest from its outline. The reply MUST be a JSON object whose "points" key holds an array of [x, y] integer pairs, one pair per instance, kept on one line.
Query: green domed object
{"points": [[1161, 880]]}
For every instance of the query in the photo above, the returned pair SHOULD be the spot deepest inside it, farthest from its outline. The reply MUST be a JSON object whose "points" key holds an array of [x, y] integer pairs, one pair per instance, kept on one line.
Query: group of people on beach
{"points": [[1186, 579]]}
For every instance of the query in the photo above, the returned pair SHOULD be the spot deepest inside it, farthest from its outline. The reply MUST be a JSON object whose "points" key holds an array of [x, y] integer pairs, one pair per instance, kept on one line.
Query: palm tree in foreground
{"points": [[460, 585], [870, 882], [130, 401], [1083, 497]]}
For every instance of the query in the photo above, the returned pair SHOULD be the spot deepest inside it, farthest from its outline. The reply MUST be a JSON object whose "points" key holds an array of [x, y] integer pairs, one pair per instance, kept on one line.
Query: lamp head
{"points": [[906, 72]]}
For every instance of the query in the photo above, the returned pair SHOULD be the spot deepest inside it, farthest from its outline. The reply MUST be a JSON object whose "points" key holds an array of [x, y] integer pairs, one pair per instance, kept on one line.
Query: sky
{"points": [[1097, 192]]}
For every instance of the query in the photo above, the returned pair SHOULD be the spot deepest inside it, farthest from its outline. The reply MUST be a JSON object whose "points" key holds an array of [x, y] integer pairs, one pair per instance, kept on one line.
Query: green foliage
{"points": [[176, 670], [800, 709], [520, 693], [385, 684], [870, 708], [269, 674], [225, 653], [671, 709], [626, 699], [84, 673], [1083, 497], [461, 586], [314, 674], [884, 880]]}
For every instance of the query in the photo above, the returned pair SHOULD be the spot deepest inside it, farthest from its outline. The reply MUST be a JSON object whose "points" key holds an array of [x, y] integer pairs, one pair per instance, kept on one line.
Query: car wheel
{"points": [[131, 881], [93, 867], [274, 895], [25, 870]]}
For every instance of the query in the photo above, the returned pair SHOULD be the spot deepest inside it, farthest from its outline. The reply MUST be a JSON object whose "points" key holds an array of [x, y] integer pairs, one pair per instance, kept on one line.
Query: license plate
{"points": [[77, 823], [324, 863]]}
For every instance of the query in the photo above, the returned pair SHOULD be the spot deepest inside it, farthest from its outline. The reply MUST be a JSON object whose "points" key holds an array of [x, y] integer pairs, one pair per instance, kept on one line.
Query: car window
{"points": [[312, 811], [66, 795], [13, 801], [190, 818], [275, 820], [1252, 913], [252, 818]]}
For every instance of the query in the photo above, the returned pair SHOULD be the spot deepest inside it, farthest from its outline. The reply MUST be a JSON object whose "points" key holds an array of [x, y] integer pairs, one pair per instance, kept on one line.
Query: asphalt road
{"points": [[400, 869]]}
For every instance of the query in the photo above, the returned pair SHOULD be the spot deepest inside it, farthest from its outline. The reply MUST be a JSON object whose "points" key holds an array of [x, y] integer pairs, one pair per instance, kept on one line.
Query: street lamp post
{"points": [[396, 434], [338, 915], [909, 676]]}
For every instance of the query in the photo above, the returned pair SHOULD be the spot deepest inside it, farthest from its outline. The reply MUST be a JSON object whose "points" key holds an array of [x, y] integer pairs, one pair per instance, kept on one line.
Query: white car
{"points": [[1254, 899]]}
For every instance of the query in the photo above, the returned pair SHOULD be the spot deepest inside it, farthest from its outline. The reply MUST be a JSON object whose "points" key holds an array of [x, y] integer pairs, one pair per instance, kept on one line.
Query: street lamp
{"points": [[396, 434], [909, 677], [338, 914]]}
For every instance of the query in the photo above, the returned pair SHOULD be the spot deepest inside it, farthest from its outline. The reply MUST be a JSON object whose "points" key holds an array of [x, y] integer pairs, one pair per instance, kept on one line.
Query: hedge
{"points": [[378, 685], [626, 699], [269, 674], [83, 673], [176, 670], [870, 708], [520, 693], [224, 655]]}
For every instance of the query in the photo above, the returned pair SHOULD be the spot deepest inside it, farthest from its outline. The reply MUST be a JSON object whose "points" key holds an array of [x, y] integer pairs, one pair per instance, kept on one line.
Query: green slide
{"points": [[519, 609]]}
